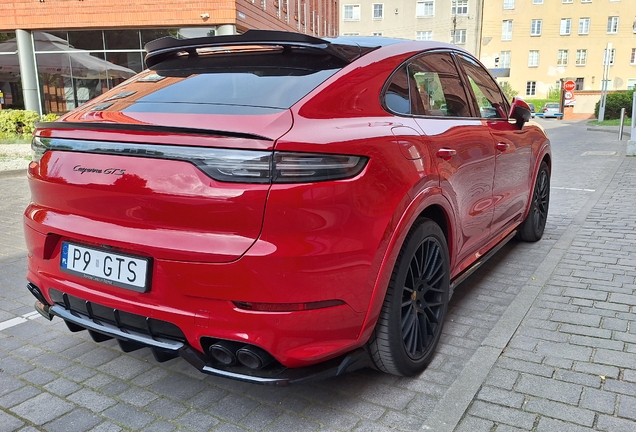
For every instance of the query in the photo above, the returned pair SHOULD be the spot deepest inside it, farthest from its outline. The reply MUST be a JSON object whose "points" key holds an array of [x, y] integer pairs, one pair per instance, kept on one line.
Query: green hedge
{"points": [[20, 123], [614, 103]]}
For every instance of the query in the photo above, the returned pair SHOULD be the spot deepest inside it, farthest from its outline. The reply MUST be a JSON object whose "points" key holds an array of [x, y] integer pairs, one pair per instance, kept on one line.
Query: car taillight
{"points": [[222, 164]]}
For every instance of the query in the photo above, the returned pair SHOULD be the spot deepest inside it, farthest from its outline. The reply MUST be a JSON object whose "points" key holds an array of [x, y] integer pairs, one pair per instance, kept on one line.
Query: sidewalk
{"points": [[571, 363], [540, 338]]}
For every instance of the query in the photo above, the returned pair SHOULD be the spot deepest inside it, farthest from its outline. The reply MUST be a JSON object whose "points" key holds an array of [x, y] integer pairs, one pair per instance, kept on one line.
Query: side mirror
{"points": [[519, 111]]}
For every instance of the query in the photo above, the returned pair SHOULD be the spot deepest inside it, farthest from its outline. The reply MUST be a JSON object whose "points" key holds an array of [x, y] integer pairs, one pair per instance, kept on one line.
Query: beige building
{"points": [[455, 21], [534, 44]]}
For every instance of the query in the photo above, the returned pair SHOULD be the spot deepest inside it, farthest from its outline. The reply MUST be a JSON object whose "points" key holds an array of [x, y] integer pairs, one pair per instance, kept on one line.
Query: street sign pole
{"points": [[606, 65]]}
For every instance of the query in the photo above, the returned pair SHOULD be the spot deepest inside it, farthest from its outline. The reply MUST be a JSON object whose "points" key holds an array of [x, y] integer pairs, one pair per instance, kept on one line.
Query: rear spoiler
{"points": [[164, 48]]}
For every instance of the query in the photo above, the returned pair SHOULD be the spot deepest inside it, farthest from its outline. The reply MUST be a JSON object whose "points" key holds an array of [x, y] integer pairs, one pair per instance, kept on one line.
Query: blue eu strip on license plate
{"points": [[105, 267]]}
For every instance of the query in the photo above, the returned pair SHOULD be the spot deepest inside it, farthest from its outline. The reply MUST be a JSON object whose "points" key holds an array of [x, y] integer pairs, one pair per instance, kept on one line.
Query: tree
{"points": [[508, 91]]}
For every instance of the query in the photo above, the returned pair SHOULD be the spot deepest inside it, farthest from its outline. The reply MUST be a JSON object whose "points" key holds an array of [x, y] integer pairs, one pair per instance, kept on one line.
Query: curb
{"points": [[13, 173], [626, 132]]}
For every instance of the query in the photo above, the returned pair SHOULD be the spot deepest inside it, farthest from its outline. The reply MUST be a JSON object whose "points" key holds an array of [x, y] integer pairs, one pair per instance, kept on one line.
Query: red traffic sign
{"points": [[568, 95], [569, 86]]}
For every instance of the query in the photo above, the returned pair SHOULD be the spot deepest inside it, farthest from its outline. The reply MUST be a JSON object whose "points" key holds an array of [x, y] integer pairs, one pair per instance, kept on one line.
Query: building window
{"points": [[425, 8], [567, 1], [586, 1], [376, 34], [562, 58], [506, 30], [566, 25], [612, 56], [351, 34], [459, 7], [584, 26], [533, 58], [504, 59], [509, 4], [537, 1], [351, 12], [633, 57], [579, 83], [378, 11], [426, 35], [581, 57], [458, 37], [631, 83], [612, 25], [535, 27], [531, 88]]}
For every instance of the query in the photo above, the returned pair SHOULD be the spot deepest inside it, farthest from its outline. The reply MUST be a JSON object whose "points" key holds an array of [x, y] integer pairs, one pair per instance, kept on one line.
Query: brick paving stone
{"points": [[18, 396], [614, 424], [331, 417], [615, 358], [499, 414], [128, 416], [560, 411], [75, 421], [475, 424], [501, 397], [160, 426], [226, 407], [42, 408], [547, 424], [94, 401], [599, 401], [627, 407], [549, 389], [261, 418], [8, 422], [289, 422], [197, 420]]}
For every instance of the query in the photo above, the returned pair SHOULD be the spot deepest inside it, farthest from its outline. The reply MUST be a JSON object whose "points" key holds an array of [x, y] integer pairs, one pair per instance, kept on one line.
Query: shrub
{"points": [[614, 103], [20, 123]]}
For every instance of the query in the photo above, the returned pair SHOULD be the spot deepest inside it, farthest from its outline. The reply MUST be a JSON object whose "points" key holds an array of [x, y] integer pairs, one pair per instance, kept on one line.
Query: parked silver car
{"points": [[552, 109]]}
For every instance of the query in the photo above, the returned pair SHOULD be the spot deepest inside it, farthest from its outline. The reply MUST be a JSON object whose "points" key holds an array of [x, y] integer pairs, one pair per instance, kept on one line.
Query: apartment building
{"points": [[454, 21], [535, 44], [57, 54]]}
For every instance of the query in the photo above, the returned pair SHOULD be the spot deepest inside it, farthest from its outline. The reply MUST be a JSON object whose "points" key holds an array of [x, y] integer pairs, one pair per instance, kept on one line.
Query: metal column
{"points": [[28, 71]]}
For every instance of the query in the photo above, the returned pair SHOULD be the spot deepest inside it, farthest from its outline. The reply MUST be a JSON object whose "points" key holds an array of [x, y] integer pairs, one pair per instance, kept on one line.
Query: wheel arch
{"points": [[429, 204], [544, 155]]}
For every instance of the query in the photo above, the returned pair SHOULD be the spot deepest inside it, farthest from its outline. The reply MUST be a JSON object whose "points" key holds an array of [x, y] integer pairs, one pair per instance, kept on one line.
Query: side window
{"points": [[439, 89], [490, 101], [396, 96]]}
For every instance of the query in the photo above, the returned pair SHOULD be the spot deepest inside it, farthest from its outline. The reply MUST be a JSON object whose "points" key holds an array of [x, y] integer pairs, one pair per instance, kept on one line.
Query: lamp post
{"points": [[606, 64]]}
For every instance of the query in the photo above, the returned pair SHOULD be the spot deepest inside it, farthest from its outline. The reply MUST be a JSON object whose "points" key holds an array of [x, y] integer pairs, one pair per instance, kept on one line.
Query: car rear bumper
{"points": [[165, 349]]}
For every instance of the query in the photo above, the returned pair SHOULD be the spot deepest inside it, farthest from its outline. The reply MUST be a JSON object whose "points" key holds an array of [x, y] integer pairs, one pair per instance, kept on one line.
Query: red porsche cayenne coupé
{"points": [[274, 207]]}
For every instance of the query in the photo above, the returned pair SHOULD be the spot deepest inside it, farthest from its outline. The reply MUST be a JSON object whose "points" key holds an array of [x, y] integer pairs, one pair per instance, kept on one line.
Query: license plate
{"points": [[106, 267]]}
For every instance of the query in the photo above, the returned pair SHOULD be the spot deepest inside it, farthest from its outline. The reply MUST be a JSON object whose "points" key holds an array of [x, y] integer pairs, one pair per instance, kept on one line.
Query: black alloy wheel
{"points": [[531, 229], [414, 308]]}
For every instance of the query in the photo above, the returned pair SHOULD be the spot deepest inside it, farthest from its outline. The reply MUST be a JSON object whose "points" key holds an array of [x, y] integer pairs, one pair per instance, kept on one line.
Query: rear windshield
{"points": [[274, 80], [552, 105]]}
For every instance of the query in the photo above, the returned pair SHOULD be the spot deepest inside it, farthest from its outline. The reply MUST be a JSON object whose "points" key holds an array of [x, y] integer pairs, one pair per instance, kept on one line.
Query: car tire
{"points": [[410, 323], [531, 229]]}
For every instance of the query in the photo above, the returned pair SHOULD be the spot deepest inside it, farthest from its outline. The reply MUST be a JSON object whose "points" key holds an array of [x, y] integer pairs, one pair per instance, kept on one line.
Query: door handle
{"points": [[502, 147], [446, 153]]}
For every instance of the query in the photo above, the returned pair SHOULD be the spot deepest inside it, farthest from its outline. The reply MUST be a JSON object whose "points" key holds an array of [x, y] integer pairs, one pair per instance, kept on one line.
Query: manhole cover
{"points": [[599, 153]]}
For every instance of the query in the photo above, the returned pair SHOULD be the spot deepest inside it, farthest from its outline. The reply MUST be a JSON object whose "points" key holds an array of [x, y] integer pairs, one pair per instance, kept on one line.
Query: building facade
{"points": [[57, 54], [535, 45], [454, 21]]}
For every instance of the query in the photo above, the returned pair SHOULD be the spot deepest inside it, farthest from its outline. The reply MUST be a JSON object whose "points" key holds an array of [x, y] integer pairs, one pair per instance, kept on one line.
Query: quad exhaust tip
{"points": [[230, 353]]}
